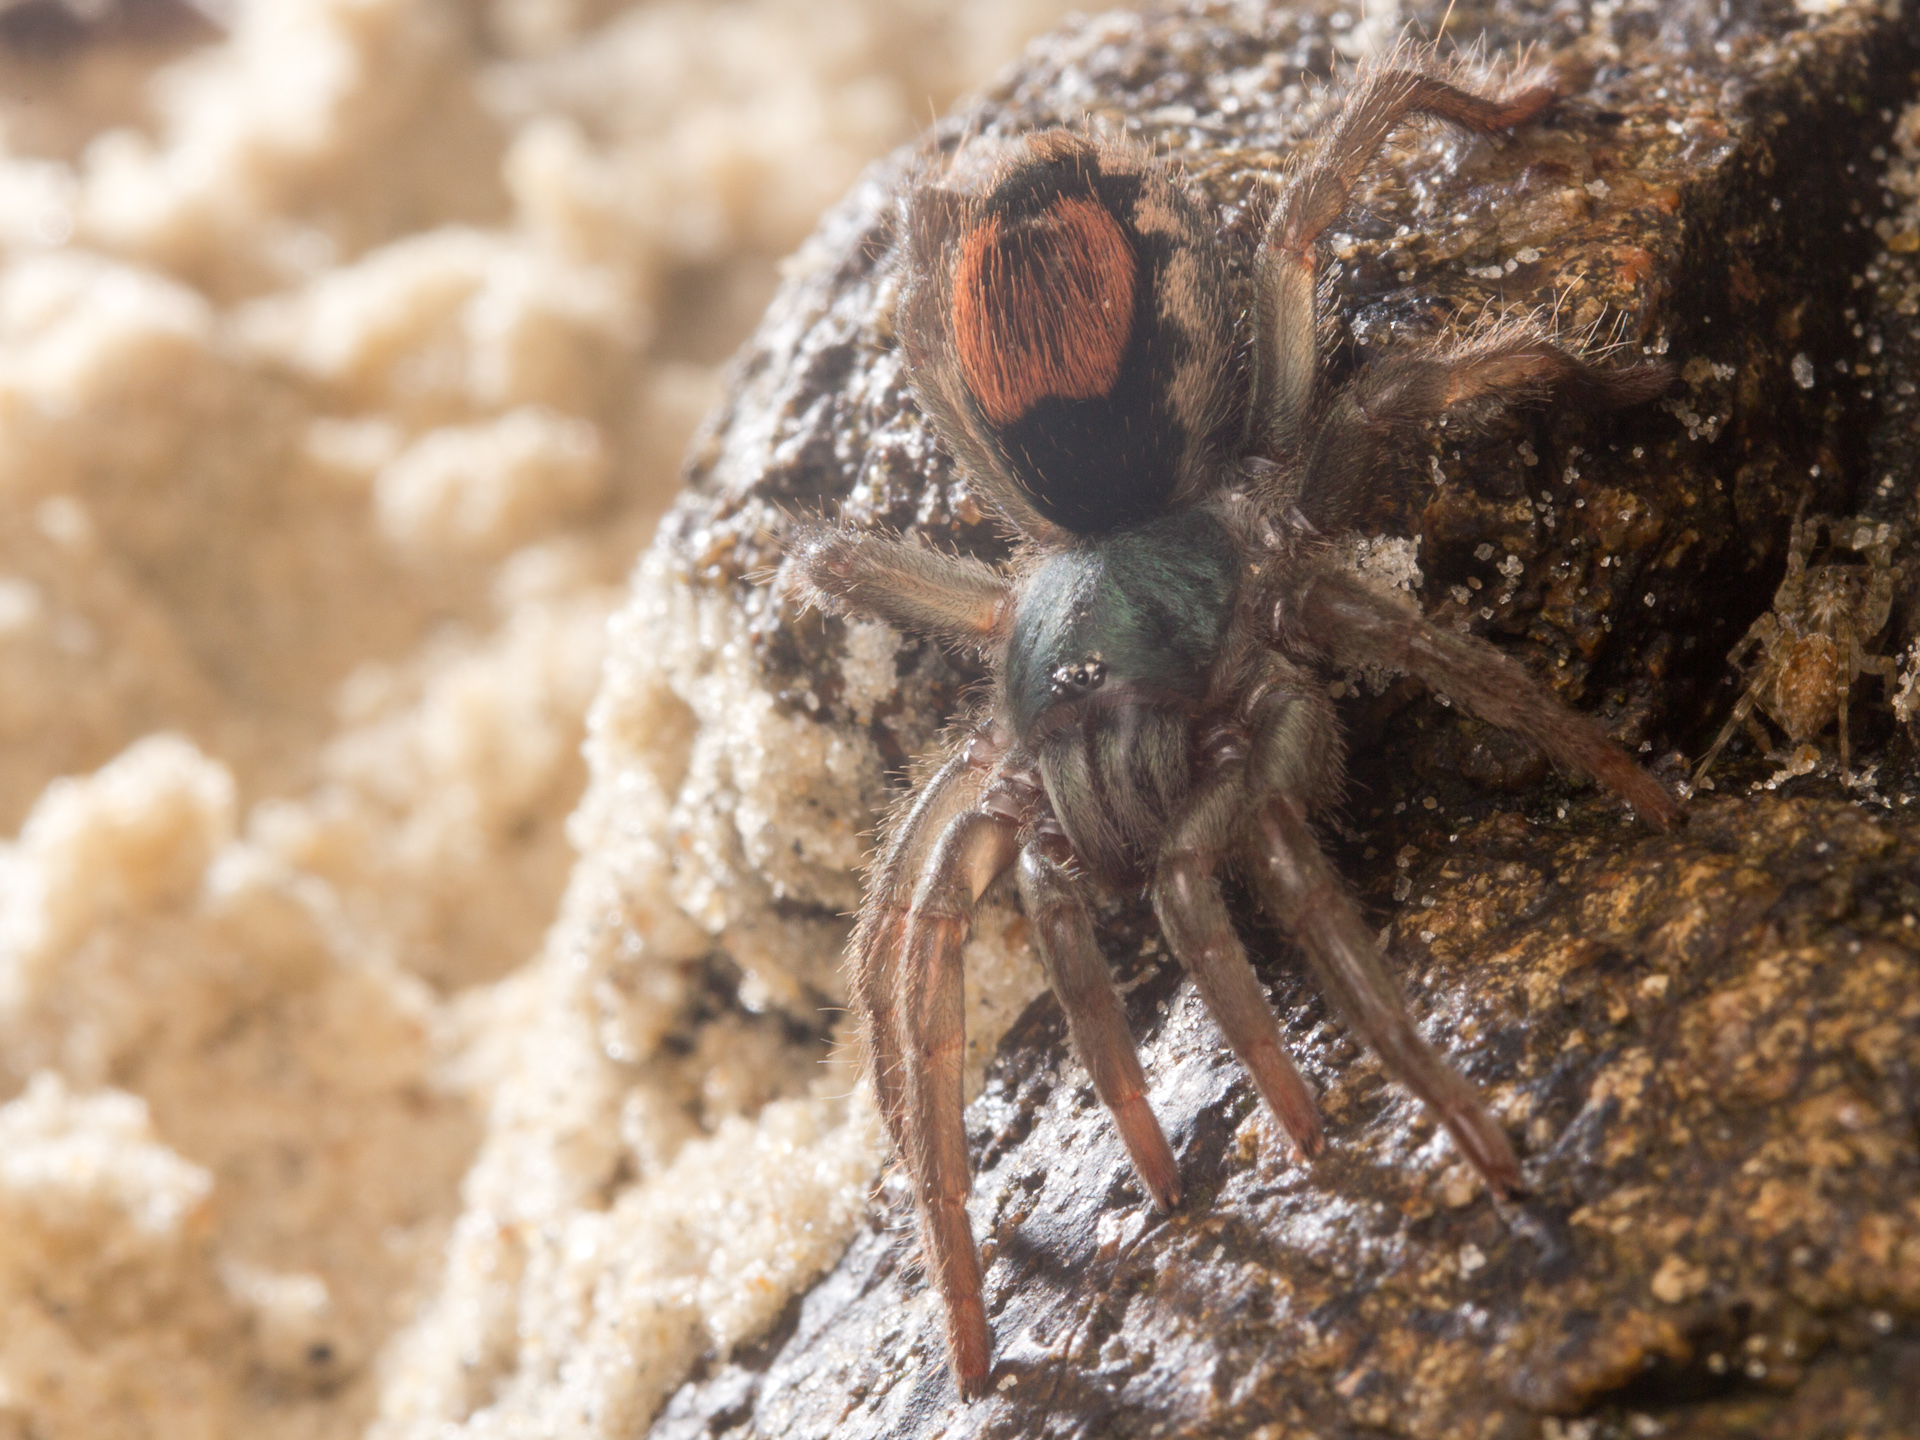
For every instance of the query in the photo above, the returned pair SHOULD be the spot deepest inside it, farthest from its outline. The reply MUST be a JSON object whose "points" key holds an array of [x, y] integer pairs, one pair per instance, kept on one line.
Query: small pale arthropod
{"points": [[1815, 641], [1160, 644]]}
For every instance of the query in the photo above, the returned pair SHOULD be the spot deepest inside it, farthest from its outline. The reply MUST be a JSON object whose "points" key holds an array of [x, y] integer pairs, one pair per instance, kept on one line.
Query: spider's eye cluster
{"points": [[1087, 327]]}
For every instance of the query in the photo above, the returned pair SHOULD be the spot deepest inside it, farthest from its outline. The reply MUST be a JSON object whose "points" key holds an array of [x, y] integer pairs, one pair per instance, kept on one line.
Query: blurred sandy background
{"points": [[347, 352]]}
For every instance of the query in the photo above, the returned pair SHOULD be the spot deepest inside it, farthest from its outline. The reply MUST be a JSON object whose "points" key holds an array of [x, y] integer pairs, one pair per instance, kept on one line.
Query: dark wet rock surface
{"points": [[1706, 1045]]}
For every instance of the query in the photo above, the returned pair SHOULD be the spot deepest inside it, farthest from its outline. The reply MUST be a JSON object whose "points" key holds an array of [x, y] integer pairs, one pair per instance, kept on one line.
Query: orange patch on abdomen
{"points": [[1044, 309]]}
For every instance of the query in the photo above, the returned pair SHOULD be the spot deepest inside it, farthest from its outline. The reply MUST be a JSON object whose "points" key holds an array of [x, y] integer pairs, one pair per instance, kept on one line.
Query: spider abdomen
{"points": [[1071, 331], [1803, 695]]}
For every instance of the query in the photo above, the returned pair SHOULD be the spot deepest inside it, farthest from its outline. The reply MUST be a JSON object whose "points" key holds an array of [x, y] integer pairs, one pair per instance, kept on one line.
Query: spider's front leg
{"points": [[952, 598], [1764, 633], [1299, 889], [874, 974], [928, 1035], [956, 837], [1055, 902], [1884, 666], [1194, 918]]}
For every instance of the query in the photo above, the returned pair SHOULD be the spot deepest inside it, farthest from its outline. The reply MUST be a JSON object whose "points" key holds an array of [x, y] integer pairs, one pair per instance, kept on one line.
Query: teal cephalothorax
{"points": [[1140, 613], [1113, 645]]}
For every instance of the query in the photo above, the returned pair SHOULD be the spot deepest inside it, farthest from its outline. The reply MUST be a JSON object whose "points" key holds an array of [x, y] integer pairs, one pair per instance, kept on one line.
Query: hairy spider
{"points": [[1813, 642], [1159, 642]]}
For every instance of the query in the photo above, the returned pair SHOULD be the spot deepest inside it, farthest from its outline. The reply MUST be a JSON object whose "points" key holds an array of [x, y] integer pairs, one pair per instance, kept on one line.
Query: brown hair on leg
{"points": [[931, 1028], [1063, 933]]}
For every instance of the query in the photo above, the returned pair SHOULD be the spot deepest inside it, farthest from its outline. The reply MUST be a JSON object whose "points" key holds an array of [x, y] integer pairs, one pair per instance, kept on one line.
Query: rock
{"points": [[1703, 1043]]}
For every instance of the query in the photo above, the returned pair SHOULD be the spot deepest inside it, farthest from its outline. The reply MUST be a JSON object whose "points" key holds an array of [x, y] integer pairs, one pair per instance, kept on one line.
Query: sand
{"points": [[372, 1059]]}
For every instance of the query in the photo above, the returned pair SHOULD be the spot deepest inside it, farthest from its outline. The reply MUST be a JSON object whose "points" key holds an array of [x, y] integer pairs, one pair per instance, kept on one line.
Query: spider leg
{"points": [[1301, 892], [1802, 539], [1846, 750], [1742, 715], [1883, 666], [1763, 633], [930, 1025], [1887, 667], [949, 597], [1315, 194], [1063, 932], [1392, 399], [1194, 918], [873, 957], [1858, 663], [1358, 625]]}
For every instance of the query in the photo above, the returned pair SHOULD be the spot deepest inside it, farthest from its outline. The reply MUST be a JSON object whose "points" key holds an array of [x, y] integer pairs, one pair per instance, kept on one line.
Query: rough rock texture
{"points": [[345, 356], [1703, 1043]]}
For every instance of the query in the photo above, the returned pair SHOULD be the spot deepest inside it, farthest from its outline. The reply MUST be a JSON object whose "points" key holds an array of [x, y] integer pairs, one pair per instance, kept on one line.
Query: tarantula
{"points": [[1158, 644], [1813, 642]]}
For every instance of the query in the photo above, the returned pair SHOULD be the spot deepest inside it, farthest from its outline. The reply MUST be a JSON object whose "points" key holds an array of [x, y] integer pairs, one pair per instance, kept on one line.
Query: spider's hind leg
{"points": [[1316, 193], [1394, 398]]}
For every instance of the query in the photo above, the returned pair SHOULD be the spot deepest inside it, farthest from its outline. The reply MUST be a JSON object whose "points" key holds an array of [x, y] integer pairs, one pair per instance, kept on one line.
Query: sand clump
{"points": [[370, 1059]]}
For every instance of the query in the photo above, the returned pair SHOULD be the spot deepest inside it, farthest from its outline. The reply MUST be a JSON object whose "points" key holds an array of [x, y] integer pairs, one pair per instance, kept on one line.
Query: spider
{"points": [[1813, 641], [1159, 642]]}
